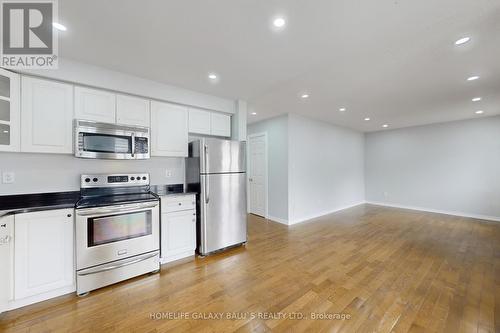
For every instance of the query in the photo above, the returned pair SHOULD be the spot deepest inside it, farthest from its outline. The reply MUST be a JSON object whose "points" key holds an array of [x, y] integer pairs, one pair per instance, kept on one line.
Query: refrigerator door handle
{"points": [[207, 187]]}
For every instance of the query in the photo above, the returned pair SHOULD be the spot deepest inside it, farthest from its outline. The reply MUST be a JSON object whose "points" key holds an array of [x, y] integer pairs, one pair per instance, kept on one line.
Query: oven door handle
{"points": [[115, 209], [116, 266]]}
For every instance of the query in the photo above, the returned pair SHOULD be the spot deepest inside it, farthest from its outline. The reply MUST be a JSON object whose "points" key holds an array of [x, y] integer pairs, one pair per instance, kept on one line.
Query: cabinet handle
{"points": [[69, 215], [3, 225], [180, 203]]}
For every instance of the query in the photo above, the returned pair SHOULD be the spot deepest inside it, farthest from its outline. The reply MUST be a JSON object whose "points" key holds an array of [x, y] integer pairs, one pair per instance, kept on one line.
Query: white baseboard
{"points": [[175, 257], [438, 211], [277, 219], [324, 213], [19, 303]]}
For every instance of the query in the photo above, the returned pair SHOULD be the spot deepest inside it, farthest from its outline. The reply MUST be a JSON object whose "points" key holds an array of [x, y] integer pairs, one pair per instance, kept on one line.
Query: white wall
{"points": [[450, 167], [39, 173], [277, 137], [326, 171]]}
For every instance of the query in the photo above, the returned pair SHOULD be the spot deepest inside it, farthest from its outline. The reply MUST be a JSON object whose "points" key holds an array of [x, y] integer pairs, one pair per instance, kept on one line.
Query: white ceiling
{"points": [[391, 60]]}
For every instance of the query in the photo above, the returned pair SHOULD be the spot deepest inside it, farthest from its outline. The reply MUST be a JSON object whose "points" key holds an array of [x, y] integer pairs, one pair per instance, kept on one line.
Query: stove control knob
{"points": [[132, 178], [87, 180], [95, 180], [144, 178]]}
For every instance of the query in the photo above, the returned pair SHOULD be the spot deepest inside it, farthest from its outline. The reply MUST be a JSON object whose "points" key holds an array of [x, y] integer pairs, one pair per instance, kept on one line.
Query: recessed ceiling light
{"points": [[462, 40], [473, 78], [342, 109], [212, 76], [367, 119], [279, 22], [254, 113], [479, 112], [385, 125], [476, 99], [304, 96], [59, 26]]}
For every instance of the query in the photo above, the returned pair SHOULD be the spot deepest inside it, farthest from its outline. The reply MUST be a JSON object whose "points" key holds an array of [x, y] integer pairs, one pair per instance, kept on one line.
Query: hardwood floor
{"points": [[389, 270]]}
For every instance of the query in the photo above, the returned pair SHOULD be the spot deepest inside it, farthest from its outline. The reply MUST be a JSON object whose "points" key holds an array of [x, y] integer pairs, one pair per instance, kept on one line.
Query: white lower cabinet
{"points": [[44, 265], [178, 227], [7, 261]]}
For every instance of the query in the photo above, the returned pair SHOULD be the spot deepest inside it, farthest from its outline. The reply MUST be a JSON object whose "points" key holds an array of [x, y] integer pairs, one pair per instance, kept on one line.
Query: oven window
{"points": [[109, 229], [104, 143]]}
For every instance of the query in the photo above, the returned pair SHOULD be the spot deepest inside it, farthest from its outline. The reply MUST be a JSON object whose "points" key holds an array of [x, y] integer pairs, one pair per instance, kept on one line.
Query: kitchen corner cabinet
{"points": [[44, 254], [95, 105], [178, 227], [169, 130], [209, 123], [9, 111], [46, 116], [132, 111]]}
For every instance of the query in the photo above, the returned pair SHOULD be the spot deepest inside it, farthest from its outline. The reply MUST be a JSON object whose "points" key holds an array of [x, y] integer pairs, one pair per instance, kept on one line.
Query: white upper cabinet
{"points": [[199, 121], [169, 130], [44, 253], [95, 105], [132, 111], [9, 111], [220, 124], [209, 123], [46, 116]]}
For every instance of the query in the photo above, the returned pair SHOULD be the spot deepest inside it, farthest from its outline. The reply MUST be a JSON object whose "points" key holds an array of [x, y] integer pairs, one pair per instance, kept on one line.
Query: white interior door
{"points": [[257, 174]]}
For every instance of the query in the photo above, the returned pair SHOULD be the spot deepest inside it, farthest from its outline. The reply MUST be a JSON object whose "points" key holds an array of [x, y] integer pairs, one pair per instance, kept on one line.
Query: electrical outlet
{"points": [[8, 177], [168, 173]]}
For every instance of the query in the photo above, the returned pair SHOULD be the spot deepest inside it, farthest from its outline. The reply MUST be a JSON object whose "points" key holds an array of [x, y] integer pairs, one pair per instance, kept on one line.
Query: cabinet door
{"points": [[6, 255], [178, 234], [169, 130], [220, 124], [44, 259], [199, 121], [95, 105], [9, 111], [46, 117], [132, 111]]}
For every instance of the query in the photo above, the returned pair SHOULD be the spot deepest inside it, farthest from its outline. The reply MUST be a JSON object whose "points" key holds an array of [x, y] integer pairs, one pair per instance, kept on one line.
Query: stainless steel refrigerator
{"points": [[215, 169]]}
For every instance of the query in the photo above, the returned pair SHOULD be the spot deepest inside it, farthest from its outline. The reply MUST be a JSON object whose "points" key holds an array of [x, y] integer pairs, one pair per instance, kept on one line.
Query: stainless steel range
{"points": [[117, 230]]}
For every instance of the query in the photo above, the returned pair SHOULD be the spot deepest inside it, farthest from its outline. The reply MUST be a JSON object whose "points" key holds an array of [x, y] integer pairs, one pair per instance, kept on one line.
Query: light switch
{"points": [[8, 177], [168, 173]]}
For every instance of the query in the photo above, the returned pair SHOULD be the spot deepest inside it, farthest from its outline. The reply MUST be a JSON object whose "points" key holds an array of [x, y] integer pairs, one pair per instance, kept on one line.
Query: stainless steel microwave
{"points": [[111, 141]]}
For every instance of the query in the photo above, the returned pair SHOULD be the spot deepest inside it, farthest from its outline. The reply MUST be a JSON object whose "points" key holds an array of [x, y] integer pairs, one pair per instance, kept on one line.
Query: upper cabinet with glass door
{"points": [[9, 111]]}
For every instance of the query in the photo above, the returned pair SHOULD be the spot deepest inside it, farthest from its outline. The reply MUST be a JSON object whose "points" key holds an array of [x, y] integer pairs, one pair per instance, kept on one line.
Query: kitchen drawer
{"points": [[178, 203]]}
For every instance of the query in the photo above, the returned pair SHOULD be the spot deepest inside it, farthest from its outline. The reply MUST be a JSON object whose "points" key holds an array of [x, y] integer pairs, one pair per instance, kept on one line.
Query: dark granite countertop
{"points": [[24, 203]]}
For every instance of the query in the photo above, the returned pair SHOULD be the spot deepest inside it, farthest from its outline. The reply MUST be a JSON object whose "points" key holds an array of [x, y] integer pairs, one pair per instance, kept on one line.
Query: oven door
{"points": [[105, 234]]}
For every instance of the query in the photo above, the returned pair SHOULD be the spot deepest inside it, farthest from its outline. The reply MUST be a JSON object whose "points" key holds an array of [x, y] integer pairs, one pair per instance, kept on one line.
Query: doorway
{"points": [[257, 174]]}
